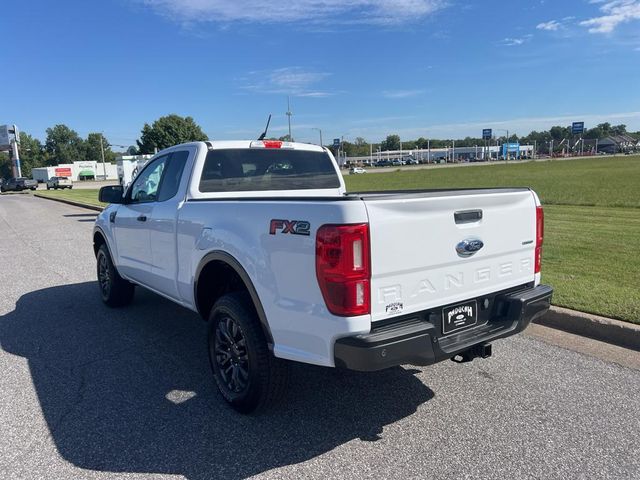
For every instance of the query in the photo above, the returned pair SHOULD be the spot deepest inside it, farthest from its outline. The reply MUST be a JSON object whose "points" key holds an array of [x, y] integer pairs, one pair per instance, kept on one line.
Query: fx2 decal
{"points": [[295, 227]]}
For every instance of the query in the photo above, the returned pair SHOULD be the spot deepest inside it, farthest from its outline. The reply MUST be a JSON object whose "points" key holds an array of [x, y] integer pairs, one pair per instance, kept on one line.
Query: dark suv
{"points": [[19, 184]]}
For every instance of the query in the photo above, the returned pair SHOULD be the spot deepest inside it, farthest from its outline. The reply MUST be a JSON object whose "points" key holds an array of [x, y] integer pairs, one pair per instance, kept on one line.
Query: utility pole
{"points": [[428, 150], [104, 166], [289, 118]]}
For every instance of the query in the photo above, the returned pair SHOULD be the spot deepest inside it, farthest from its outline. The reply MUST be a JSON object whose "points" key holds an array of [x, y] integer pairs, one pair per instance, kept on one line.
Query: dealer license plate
{"points": [[459, 317]]}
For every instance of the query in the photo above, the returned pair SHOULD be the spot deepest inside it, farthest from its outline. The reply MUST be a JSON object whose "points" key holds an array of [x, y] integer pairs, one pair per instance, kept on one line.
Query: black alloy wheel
{"points": [[231, 355]]}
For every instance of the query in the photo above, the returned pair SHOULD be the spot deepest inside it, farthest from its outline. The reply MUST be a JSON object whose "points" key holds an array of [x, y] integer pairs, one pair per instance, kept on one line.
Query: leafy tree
{"points": [[168, 131], [286, 138], [32, 154], [619, 129], [5, 166], [63, 145], [392, 142], [93, 148]]}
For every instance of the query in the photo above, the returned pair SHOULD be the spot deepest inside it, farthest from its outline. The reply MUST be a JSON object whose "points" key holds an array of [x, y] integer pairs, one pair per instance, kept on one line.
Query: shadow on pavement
{"points": [[129, 390]]}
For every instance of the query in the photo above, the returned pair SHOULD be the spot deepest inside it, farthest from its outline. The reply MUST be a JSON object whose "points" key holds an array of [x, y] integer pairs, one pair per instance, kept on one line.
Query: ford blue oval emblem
{"points": [[469, 246]]}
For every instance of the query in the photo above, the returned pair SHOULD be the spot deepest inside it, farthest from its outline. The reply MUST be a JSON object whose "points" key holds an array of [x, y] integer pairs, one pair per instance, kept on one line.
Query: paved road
{"points": [[89, 392]]}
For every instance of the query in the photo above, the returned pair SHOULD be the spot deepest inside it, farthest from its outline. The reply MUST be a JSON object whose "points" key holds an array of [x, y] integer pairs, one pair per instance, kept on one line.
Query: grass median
{"points": [[87, 196]]}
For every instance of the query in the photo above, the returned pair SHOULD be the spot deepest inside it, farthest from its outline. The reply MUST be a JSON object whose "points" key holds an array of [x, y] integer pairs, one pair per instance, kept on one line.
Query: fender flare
{"points": [[229, 260]]}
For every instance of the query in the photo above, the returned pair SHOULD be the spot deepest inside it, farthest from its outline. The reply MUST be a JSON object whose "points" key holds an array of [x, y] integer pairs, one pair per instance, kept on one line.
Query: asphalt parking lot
{"points": [[90, 392]]}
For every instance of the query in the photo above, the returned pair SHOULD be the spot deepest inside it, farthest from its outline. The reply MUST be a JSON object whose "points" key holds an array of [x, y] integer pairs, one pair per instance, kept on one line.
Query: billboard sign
{"points": [[577, 128], [486, 134], [5, 137]]}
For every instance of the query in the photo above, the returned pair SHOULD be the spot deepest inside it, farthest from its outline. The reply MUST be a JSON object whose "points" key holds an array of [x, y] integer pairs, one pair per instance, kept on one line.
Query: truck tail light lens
{"points": [[539, 238], [343, 269]]}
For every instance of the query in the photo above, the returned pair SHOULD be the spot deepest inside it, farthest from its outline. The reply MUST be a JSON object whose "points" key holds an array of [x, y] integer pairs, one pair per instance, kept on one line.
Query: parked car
{"points": [[383, 163], [262, 239], [396, 163], [354, 170], [59, 182], [19, 184]]}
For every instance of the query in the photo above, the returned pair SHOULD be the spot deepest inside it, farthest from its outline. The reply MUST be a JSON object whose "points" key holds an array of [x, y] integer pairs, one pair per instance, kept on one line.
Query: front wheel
{"points": [[114, 290], [247, 374]]}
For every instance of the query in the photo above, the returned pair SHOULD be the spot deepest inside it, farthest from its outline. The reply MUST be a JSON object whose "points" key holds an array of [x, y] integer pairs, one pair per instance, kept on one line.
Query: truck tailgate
{"points": [[418, 261]]}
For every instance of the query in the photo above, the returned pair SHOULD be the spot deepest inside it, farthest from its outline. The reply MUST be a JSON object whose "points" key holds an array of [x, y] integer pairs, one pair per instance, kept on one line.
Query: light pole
{"points": [[506, 157], [289, 117], [319, 130]]}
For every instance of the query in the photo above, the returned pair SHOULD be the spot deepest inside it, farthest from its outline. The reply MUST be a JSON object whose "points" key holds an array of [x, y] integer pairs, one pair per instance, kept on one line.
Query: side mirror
{"points": [[111, 194]]}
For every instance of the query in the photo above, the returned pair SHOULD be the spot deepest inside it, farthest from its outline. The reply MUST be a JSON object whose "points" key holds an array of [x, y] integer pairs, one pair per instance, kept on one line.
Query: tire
{"points": [[48, 187], [236, 344], [114, 290], [70, 188]]}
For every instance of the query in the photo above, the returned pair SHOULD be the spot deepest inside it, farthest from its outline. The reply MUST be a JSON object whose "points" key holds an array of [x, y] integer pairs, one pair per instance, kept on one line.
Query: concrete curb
{"points": [[616, 332], [70, 202]]}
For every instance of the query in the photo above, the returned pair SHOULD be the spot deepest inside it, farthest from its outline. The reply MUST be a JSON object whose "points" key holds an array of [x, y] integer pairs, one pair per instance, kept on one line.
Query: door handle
{"points": [[142, 218]]}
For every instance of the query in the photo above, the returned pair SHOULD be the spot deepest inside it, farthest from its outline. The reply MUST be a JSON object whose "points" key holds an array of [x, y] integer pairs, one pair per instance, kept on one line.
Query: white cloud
{"points": [[296, 81], [514, 42], [401, 93], [387, 12], [615, 13], [552, 25]]}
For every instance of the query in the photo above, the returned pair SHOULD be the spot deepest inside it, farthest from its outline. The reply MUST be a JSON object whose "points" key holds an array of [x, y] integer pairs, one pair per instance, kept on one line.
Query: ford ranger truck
{"points": [[263, 241]]}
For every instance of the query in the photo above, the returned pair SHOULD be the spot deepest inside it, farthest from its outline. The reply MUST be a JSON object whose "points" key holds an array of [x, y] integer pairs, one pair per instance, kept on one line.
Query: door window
{"points": [[145, 186]]}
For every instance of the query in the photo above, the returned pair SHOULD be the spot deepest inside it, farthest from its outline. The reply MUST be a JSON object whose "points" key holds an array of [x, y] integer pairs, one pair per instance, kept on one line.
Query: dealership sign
{"points": [[577, 128], [486, 134], [5, 137], [63, 172]]}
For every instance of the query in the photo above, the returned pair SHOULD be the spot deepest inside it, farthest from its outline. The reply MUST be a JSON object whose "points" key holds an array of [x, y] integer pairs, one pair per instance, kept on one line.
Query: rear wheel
{"points": [[247, 374], [114, 290]]}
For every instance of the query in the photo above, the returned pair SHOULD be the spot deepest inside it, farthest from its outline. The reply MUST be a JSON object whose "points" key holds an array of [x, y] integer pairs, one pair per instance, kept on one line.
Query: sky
{"points": [[369, 68]]}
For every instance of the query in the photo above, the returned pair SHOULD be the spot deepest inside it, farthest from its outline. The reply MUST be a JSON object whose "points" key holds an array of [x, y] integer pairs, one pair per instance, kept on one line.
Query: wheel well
{"points": [[216, 279], [98, 241]]}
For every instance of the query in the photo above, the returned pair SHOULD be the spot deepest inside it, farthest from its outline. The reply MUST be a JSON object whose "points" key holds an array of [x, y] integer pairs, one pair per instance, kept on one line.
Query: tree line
{"points": [[64, 145], [361, 148]]}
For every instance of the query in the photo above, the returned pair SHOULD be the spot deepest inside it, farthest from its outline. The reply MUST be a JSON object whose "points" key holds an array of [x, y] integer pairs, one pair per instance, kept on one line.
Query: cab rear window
{"points": [[242, 170]]}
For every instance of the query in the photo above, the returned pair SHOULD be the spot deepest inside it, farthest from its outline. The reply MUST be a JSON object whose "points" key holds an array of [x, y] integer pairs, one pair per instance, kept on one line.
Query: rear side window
{"points": [[242, 170], [172, 175]]}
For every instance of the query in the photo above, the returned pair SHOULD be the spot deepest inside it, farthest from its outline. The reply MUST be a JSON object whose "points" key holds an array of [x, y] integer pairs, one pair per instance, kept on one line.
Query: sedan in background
{"points": [[59, 182]]}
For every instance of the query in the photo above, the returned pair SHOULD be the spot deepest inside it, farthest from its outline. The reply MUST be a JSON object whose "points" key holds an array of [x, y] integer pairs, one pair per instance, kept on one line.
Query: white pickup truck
{"points": [[262, 239]]}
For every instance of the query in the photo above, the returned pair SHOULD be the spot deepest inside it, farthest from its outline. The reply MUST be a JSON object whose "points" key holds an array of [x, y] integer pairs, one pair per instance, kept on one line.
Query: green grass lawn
{"points": [[611, 182], [89, 196], [592, 214], [592, 219]]}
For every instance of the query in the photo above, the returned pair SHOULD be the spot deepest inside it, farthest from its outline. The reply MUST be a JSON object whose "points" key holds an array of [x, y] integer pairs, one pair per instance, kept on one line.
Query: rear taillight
{"points": [[270, 144], [539, 238], [343, 269]]}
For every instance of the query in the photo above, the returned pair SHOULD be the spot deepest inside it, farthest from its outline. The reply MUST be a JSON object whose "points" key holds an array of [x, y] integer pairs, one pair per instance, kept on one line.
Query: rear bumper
{"points": [[418, 339]]}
